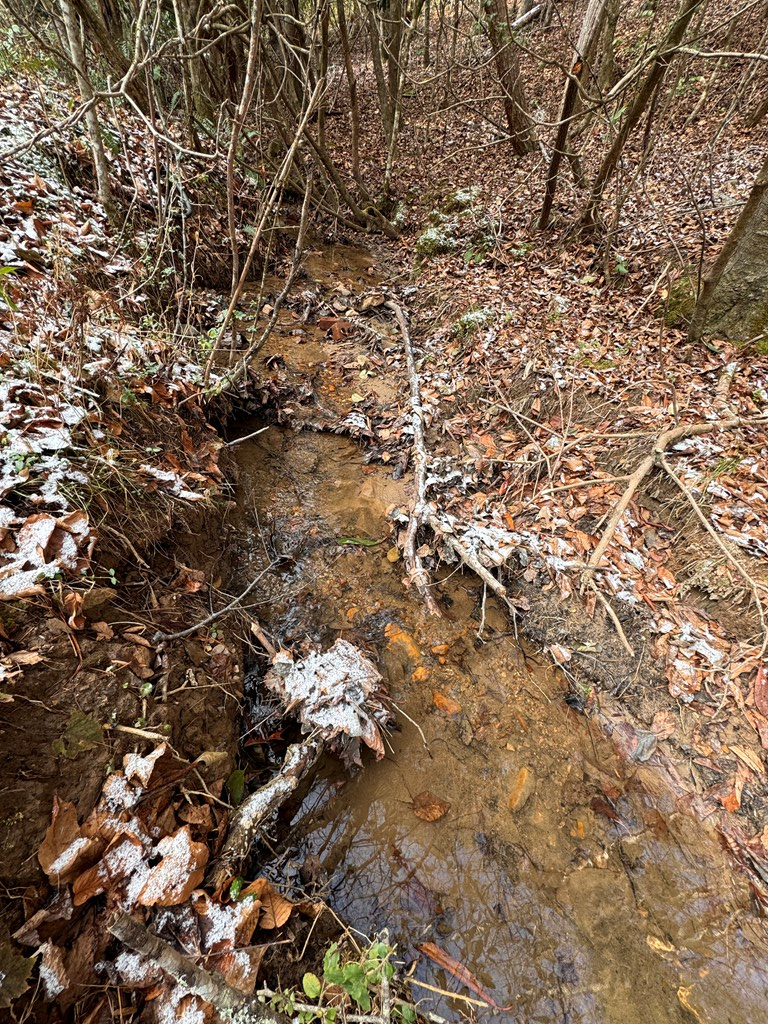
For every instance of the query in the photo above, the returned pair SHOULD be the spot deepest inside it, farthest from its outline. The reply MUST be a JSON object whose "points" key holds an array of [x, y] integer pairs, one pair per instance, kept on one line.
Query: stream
{"points": [[561, 875]]}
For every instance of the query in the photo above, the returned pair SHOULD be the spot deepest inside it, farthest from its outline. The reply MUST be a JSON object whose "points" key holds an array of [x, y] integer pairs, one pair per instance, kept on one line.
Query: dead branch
{"points": [[419, 509], [233, 1004], [165, 638], [467, 557], [662, 443], [252, 814], [614, 619], [732, 560]]}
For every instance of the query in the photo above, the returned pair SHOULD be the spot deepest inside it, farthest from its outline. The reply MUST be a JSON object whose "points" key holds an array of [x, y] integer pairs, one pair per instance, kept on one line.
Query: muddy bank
{"points": [[561, 873]]}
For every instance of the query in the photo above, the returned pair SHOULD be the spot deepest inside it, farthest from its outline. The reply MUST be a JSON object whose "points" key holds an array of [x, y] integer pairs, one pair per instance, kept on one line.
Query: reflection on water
{"points": [[582, 904]]}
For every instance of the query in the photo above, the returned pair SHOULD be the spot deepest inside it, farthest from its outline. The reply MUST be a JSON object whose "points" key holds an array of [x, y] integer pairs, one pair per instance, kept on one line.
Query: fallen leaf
{"points": [[15, 970], [428, 807], [459, 971], [65, 851], [761, 690], [179, 872]]}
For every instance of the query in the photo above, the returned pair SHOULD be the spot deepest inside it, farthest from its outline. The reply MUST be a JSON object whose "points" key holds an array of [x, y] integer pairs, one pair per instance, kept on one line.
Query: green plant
{"points": [[469, 323], [435, 241]]}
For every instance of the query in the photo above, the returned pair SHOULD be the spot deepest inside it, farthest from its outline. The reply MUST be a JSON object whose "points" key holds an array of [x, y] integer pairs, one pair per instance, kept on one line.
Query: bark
{"points": [[354, 103], [664, 56], [733, 301], [582, 59], [505, 57], [72, 28]]}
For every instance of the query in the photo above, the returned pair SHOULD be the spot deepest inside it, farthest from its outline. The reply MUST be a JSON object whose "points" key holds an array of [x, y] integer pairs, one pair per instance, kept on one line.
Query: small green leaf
{"points": [[365, 542], [82, 733], [312, 986], [236, 887], [331, 968], [236, 787]]}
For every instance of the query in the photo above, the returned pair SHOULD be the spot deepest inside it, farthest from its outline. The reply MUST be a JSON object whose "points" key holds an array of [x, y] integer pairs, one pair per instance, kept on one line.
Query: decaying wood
{"points": [[419, 508], [232, 1004], [257, 808]]}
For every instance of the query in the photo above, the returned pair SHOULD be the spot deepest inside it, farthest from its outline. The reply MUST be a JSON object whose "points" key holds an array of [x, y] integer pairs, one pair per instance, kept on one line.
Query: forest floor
{"points": [[547, 373]]}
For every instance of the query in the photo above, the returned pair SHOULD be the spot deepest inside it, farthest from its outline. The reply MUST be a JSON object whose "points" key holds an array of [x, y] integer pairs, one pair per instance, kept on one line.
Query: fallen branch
{"points": [[419, 508], [255, 810], [231, 1003], [751, 584], [662, 443], [468, 558], [164, 638]]}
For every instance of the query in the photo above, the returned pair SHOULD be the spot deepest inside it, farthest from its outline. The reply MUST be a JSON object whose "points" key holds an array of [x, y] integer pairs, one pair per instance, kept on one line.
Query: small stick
{"points": [[248, 437], [143, 733], [468, 558], [614, 619], [164, 638]]}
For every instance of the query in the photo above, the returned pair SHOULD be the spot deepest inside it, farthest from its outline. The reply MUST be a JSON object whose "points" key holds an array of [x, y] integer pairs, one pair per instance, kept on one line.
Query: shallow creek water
{"points": [[595, 900]]}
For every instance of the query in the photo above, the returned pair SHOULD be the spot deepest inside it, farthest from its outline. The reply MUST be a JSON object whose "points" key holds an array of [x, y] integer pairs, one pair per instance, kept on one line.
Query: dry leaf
{"points": [[179, 872], [64, 852], [428, 807]]}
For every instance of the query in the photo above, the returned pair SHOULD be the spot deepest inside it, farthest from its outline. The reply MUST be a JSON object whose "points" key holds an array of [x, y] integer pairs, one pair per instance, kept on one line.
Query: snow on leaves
{"points": [[136, 852]]}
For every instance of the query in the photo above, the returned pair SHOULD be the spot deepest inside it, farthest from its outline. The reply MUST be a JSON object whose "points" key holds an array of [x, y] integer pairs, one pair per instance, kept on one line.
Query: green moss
{"points": [[462, 199], [470, 323], [761, 347], [435, 241], [681, 302]]}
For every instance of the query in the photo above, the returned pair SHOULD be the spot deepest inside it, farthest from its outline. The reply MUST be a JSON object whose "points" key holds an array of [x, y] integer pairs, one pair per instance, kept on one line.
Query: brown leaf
{"points": [[428, 807], [276, 909], [761, 690], [179, 872], [458, 970], [65, 852]]}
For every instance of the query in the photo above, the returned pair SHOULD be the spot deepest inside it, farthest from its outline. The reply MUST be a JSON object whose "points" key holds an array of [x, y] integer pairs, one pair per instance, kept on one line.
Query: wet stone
{"points": [[522, 789]]}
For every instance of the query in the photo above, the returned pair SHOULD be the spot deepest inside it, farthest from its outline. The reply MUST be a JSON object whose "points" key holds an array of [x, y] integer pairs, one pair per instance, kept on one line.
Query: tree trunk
{"points": [[582, 59], [664, 55], [733, 301], [72, 28], [519, 121]]}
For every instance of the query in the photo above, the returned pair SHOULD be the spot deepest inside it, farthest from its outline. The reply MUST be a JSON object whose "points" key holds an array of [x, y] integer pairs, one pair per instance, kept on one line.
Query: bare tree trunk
{"points": [[505, 57], [664, 55], [354, 103], [582, 59], [733, 300], [74, 41]]}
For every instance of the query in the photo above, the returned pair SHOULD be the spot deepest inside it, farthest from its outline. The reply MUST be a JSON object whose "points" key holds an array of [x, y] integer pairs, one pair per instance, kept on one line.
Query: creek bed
{"points": [[561, 876]]}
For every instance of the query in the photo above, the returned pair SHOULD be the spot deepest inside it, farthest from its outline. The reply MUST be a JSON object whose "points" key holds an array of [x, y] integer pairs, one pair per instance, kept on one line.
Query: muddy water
{"points": [[590, 901]]}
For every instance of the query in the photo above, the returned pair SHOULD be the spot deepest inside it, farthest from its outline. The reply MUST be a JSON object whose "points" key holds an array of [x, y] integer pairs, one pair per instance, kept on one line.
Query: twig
{"points": [[753, 587], [614, 619], [233, 1004], [416, 571], [252, 813], [248, 437], [165, 638], [662, 442], [143, 733]]}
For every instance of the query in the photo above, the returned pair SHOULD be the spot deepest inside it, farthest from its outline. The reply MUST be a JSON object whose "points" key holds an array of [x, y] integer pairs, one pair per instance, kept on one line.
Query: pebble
{"points": [[523, 788]]}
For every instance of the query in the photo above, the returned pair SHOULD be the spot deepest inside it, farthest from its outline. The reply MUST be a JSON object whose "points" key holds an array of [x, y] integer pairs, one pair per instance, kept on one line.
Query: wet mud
{"points": [[566, 878]]}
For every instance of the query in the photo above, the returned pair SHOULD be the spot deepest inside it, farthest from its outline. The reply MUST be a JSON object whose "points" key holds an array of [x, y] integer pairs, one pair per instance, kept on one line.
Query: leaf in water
{"points": [[459, 971], [15, 970], [365, 542], [428, 807], [82, 733], [236, 786]]}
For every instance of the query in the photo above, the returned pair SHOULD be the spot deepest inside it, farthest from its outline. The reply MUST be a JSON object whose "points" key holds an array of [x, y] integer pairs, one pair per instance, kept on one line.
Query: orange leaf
{"points": [[459, 971], [428, 807], [761, 690]]}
